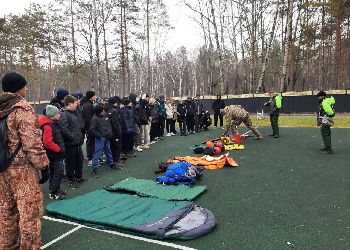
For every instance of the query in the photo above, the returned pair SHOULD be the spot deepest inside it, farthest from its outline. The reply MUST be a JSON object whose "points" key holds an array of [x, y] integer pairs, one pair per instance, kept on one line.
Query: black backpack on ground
{"points": [[6, 157]]}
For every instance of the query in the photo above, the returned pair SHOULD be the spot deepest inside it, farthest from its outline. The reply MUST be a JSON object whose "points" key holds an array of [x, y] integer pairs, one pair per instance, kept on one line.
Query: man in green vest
{"points": [[275, 105], [325, 116]]}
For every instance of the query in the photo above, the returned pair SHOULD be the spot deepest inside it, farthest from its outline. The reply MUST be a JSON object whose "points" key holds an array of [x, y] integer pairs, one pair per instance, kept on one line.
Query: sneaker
{"points": [[94, 173], [272, 135], [102, 161], [156, 139], [73, 184], [258, 137], [115, 167], [130, 155], [146, 146], [90, 163], [56, 196], [138, 149], [81, 180], [276, 136], [172, 134], [168, 134], [152, 142], [328, 151], [193, 132]]}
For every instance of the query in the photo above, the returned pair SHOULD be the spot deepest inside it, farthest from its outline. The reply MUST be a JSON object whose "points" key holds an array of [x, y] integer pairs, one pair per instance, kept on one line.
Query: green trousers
{"points": [[326, 136], [274, 124]]}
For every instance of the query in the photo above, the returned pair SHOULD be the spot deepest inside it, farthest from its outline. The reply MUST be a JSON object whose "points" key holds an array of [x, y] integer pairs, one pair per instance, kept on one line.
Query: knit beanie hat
{"points": [[78, 95], [62, 93], [321, 93], [51, 111], [89, 94], [12, 82]]}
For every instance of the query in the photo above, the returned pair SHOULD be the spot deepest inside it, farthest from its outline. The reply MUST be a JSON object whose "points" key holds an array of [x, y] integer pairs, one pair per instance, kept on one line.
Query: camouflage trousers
{"points": [[21, 208], [247, 122]]}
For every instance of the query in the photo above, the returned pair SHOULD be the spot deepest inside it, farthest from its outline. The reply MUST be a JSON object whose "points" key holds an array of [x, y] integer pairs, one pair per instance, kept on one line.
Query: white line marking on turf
{"points": [[61, 237], [111, 232]]}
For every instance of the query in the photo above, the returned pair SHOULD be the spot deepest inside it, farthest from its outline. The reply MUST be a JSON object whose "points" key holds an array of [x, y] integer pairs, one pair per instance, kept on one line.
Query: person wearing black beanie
{"points": [[21, 193], [13, 82], [90, 94]]}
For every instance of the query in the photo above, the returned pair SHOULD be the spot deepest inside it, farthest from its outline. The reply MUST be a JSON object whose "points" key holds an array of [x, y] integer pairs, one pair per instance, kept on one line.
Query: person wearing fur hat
{"points": [[55, 150], [21, 197], [325, 116], [57, 101]]}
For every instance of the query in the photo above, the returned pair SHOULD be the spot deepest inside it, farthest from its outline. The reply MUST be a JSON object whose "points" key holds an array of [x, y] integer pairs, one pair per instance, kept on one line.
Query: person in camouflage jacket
{"points": [[21, 198], [234, 116]]}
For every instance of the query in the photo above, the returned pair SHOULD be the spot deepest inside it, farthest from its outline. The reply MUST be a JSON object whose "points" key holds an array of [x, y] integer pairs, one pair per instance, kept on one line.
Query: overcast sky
{"points": [[186, 31]]}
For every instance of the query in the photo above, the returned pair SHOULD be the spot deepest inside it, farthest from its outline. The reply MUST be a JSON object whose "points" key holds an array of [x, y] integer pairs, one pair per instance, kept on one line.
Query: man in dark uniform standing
{"points": [[275, 104], [324, 120]]}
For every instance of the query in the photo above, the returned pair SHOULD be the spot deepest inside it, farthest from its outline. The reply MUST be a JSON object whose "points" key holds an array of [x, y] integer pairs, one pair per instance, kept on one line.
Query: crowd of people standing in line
{"points": [[116, 127]]}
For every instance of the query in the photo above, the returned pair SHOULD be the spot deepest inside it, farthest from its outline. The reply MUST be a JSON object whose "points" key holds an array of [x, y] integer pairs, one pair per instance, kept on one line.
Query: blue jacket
{"points": [[127, 120], [176, 175]]}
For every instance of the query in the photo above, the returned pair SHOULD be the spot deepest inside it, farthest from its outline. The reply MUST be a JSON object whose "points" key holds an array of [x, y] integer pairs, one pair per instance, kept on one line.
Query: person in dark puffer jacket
{"points": [[54, 146], [86, 104], [101, 129], [73, 139], [127, 117], [111, 108]]}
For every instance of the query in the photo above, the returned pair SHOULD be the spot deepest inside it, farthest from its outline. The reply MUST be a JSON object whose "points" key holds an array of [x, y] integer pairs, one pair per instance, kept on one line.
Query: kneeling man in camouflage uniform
{"points": [[234, 116]]}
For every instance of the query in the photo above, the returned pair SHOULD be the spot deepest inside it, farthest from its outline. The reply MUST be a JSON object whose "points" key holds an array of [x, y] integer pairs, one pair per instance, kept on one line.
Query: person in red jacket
{"points": [[54, 146]]}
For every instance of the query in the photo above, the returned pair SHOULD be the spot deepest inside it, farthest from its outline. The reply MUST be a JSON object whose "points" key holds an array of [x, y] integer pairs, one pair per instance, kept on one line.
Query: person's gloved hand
{"points": [[45, 174]]}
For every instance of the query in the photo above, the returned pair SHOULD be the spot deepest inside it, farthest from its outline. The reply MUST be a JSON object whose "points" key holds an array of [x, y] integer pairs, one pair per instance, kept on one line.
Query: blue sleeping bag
{"points": [[176, 174]]}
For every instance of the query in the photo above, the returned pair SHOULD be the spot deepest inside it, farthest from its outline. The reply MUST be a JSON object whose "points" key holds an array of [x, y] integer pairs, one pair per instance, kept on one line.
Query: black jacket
{"points": [[198, 107], [114, 118], [88, 112], [79, 114], [70, 128], [181, 112], [189, 108], [217, 105], [101, 127], [142, 115], [144, 104]]}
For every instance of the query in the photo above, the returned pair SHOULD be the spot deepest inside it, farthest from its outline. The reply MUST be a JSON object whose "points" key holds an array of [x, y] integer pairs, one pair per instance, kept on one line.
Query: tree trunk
{"points": [[98, 74], [261, 87], [106, 53], [288, 43], [337, 44], [219, 51], [75, 80], [122, 46]]}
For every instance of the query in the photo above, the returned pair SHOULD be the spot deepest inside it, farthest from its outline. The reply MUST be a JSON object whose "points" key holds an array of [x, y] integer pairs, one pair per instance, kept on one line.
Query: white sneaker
{"points": [[152, 142], [172, 134], [90, 163], [138, 149], [168, 134], [145, 146]]}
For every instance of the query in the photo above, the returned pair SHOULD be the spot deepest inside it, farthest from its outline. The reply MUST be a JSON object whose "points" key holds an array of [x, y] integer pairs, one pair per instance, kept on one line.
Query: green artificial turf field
{"points": [[284, 194]]}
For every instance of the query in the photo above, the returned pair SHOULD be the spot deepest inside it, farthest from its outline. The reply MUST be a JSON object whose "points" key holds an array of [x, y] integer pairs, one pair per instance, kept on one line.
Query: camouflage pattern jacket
{"points": [[23, 128], [235, 114]]}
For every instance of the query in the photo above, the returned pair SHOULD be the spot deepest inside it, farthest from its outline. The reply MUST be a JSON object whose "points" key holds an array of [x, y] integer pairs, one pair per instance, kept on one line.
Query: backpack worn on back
{"points": [[6, 157]]}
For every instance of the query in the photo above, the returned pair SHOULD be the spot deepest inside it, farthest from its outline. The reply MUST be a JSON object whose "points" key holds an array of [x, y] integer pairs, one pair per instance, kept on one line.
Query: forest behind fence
{"points": [[117, 47]]}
